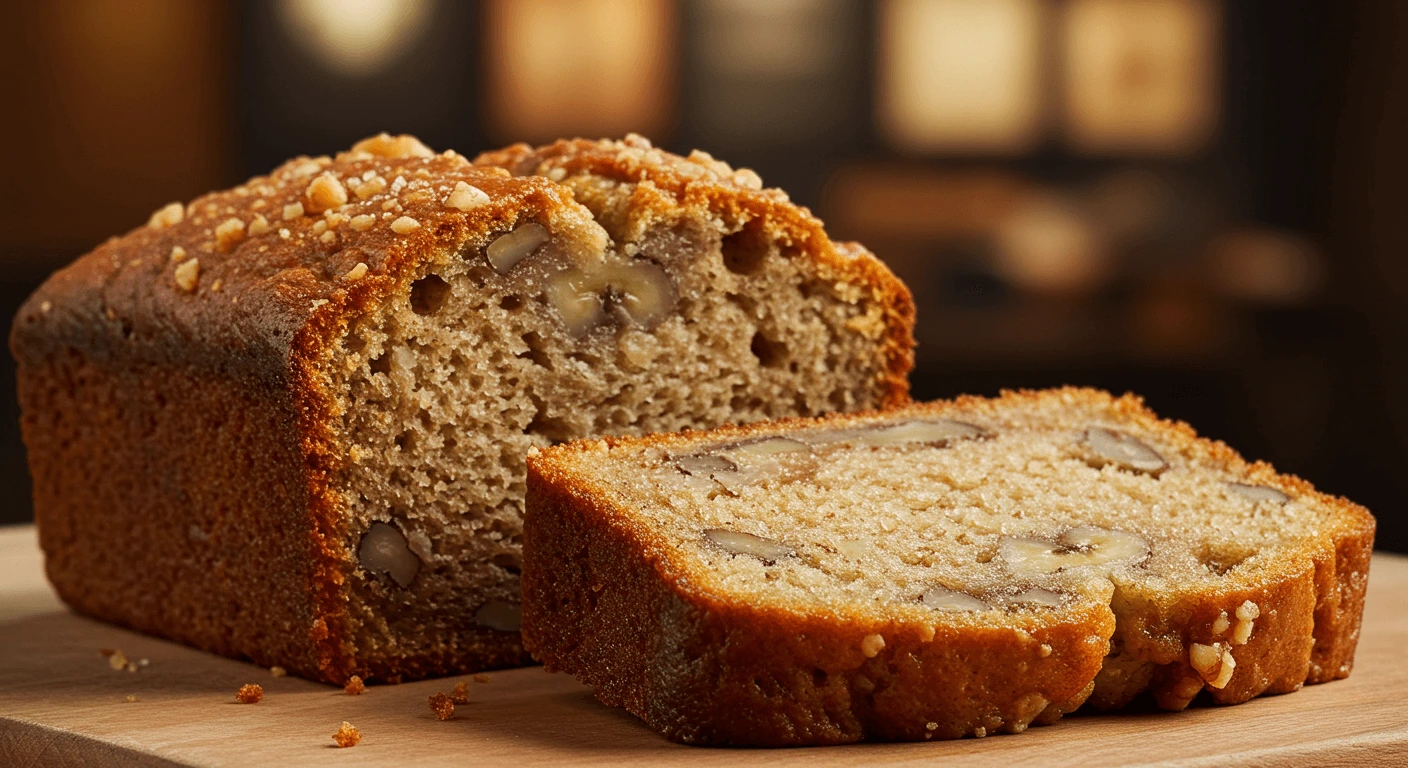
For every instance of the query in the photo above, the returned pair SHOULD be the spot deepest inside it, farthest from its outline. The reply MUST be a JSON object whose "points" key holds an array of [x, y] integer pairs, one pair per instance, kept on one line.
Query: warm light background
{"points": [[1201, 201]]}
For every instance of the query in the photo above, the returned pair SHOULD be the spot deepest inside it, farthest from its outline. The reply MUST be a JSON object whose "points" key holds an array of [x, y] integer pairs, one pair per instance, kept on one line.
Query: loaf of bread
{"points": [[288, 421], [942, 570]]}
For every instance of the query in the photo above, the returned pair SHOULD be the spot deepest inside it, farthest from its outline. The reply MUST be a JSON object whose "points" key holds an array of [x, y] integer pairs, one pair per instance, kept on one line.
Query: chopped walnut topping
{"points": [[356, 273], [386, 145], [871, 645], [747, 178], [557, 174], [230, 232], [306, 168], [168, 215], [466, 197], [370, 188], [363, 222], [277, 671], [293, 211], [460, 695], [129, 698], [404, 225], [347, 736], [45, 306], [398, 184], [188, 275], [325, 192], [250, 693], [177, 253], [1248, 611], [259, 226], [1220, 625], [354, 686], [1044, 650], [329, 237], [217, 285], [319, 227], [442, 706]]}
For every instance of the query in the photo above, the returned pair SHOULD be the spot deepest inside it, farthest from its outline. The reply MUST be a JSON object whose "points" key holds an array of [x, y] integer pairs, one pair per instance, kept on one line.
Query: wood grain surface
{"points": [[61, 703]]}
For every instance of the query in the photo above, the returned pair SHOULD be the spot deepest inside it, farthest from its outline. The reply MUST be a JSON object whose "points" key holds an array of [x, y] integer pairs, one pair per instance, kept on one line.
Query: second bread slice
{"points": [[951, 569]]}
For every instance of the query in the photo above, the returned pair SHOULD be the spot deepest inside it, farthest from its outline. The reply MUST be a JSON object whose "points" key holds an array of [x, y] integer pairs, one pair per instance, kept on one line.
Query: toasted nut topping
{"points": [[384, 550], [386, 145], [188, 275], [1224, 673], [509, 249], [404, 225], [177, 253], [168, 215], [1037, 597], [1119, 448], [1258, 493], [1243, 632], [356, 273], [942, 599], [872, 645], [1078, 547], [1205, 659], [259, 226], [293, 211], [323, 193], [362, 222], [936, 432], [499, 615], [740, 543], [704, 465], [229, 232], [1248, 611], [1044, 650], [1220, 625], [370, 188], [766, 446], [466, 197]]}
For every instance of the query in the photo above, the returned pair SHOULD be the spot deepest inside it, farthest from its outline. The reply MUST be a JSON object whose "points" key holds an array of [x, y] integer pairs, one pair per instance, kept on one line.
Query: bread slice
{"points": [[288, 421], [947, 569]]}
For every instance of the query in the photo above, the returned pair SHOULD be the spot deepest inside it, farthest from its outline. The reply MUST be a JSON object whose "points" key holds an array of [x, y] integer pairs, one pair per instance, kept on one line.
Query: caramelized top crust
{"points": [[668, 184], [242, 278]]}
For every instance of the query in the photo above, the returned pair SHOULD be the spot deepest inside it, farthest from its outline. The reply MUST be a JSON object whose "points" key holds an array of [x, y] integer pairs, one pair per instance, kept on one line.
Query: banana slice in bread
{"points": [[948, 569]]}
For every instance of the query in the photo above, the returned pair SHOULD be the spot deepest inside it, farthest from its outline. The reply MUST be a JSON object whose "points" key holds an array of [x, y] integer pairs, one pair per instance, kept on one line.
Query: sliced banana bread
{"points": [[288, 421], [947, 569]]}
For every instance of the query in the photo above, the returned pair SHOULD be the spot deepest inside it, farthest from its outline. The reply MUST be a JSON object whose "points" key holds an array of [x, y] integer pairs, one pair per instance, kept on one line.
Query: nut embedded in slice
{"points": [[1036, 596], [505, 252], [384, 550], [1079, 547], [943, 599], [499, 615], [936, 432], [767, 446], [1122, 449], [704, 464], [740, 543], [644, 290], [572, 293], [1258, 493]]}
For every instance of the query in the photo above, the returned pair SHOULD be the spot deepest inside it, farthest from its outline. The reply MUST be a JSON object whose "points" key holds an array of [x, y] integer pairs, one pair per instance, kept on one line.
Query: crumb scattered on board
{"points": [[442, 706], [461, 694], [277, 671], [354, 686], [347, 736], [119, 661], [130, 698], [250, 693], [482, 678]]}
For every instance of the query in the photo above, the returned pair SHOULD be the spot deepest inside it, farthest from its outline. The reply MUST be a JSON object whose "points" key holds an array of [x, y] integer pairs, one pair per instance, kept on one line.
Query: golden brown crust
{"points": [[668, 183], [608, 600]]}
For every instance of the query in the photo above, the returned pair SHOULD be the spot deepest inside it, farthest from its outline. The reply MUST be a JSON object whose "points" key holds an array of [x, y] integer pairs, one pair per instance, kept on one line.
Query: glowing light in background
{"points": [[356, 38], [1140, 76], [960, 74], [589, 68]]}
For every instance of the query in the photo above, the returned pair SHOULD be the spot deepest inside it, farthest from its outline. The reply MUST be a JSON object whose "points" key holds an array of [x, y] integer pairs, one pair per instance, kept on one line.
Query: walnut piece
{"points": [[1123, 450], [506, 251], [324, 193], [936, 432], [384, 550], [944, 599], [466, 197], [386, 145], [168, 215], [740, 543], [1078, 547], [1258, 493]]}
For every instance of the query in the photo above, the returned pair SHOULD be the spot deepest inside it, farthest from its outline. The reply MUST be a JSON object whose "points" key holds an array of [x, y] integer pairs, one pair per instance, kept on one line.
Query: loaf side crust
{"points": [[607, 600]]}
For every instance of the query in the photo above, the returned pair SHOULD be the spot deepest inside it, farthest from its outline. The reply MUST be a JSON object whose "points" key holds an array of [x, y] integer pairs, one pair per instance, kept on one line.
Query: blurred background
{"points": [[1203, 202]]}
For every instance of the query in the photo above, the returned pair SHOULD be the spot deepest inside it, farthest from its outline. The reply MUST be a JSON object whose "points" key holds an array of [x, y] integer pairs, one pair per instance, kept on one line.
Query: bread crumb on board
{"points": [[347, 735], [354, 686], [250, 693], [278, 671], [460, 695], [442, 706]]}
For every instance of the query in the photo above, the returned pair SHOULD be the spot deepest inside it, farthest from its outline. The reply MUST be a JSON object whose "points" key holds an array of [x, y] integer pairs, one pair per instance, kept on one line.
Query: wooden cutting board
{"points": [[61, 703]]}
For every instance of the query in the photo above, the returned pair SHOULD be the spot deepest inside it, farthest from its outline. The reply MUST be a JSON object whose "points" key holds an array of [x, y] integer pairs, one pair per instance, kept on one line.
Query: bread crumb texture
{"points": [[443, 706], [250, 693], [347, 735], [987, 564]]}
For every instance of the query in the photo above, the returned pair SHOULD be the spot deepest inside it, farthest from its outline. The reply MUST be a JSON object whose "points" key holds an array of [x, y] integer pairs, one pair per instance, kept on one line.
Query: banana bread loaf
{"points": [[948, 569], [288, 421]]}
